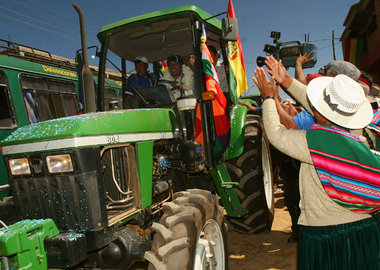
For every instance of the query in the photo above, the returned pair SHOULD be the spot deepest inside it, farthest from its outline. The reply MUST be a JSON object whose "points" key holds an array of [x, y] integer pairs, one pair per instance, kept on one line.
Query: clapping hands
{"points": [[267, 87]]}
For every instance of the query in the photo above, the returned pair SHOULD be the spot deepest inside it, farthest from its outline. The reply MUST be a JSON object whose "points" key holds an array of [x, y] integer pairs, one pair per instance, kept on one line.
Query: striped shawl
{"points": [[349, 171]]}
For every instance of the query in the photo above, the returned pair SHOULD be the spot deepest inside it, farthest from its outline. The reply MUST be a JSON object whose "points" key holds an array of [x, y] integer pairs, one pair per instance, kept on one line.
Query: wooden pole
{"points": [[333, 44]]}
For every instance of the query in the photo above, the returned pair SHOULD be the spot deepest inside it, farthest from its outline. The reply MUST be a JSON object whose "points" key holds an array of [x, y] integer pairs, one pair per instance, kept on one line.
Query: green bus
{"points": [[36, 86]]}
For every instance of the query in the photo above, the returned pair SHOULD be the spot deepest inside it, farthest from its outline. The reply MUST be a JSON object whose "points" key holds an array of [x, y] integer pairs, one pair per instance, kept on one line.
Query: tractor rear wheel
{"points": [[253, 172], [190, 235]]}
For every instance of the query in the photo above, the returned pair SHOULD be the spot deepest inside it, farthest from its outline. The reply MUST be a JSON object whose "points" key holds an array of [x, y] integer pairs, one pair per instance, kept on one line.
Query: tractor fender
{"points": [[238, 116]]}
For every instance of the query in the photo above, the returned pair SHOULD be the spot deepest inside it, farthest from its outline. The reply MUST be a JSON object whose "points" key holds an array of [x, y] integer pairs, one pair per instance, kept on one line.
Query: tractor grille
{"points": [[120, 178], [103, 189], [72, 201]]}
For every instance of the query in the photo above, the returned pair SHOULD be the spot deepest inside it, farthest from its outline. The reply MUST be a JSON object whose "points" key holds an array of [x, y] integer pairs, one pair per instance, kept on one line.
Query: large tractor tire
{"points": [[191, 234], [253, 172]]}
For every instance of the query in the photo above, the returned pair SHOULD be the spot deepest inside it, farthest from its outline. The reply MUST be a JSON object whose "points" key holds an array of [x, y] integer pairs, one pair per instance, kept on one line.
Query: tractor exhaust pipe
{"points": [[86, 74]]}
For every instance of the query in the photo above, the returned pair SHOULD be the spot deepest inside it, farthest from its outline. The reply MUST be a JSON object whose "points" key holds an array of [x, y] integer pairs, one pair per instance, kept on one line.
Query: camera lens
{"points": [[260, 61]]}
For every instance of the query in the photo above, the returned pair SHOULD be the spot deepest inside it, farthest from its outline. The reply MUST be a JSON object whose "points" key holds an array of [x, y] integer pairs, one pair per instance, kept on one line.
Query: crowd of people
{"points": [[337, 225], [328, 141]]}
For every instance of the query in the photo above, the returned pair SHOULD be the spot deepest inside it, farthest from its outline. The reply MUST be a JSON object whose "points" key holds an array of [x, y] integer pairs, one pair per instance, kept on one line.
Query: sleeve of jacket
{"points": [[298, 91], [289, 141]]}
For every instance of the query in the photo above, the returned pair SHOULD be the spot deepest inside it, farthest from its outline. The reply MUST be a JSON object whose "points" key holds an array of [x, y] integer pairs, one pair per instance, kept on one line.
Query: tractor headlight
{"points": [[187, 103], [59, 163], [19, 166]]}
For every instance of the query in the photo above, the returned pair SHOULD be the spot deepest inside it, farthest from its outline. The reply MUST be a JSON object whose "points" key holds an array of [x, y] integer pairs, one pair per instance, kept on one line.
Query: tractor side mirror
{"points": [[230, 29]]}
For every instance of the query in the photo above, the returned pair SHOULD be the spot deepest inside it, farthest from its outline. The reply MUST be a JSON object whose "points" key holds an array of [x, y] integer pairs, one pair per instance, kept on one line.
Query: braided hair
{"points": [[369, 140]]}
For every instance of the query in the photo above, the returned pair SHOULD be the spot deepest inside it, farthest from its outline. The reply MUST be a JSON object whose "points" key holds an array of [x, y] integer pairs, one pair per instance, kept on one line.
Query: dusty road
{"points": [[265, 251]]}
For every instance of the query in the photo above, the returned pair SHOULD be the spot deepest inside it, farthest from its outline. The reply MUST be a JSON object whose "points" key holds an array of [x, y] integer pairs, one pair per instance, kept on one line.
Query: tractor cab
{"points": [[157, 36]]}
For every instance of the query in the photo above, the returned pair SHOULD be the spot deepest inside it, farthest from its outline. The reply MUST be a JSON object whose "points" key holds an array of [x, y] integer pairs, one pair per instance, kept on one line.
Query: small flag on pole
{"points": [[237, 75], [222, 124]]}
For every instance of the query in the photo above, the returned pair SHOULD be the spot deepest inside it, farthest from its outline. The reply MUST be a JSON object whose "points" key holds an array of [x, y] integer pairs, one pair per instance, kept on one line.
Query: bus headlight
{"points": [[59, 163], [19, 166]]}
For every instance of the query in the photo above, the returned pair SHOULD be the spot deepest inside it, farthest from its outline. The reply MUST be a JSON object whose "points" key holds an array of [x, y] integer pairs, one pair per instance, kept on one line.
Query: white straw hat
{"points": [[341, 100]]}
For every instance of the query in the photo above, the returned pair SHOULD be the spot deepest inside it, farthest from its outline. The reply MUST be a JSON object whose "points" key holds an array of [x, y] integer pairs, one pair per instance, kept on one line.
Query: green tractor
{"points": [[123, 189]]}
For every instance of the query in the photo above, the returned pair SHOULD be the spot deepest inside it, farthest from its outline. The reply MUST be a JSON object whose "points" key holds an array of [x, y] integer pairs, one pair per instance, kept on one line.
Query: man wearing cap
{"points": [[333, 233], [142, 78]]}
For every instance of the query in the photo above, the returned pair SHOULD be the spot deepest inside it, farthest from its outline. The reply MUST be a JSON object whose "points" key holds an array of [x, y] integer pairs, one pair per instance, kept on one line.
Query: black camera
{"points": [[276, 36], [270, 49], [287, 52]]}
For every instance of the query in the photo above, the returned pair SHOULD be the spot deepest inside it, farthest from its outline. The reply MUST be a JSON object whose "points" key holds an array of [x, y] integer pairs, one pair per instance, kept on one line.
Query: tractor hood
{"points": [[93, 129]]}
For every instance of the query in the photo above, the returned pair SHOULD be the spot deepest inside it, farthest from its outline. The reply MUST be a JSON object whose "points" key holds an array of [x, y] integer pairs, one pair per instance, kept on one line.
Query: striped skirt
{"points": [[353, 246]]}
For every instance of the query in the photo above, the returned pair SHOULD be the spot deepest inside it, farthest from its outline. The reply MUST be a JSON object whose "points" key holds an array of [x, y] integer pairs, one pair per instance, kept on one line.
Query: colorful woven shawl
{"points": [[376, 119], [374, 126], [348, 169]]}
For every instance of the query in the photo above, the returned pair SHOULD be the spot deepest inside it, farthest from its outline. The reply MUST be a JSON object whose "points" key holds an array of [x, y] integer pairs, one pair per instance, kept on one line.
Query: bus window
{"points": [[70, 104], [48, 99], [6, 117]]}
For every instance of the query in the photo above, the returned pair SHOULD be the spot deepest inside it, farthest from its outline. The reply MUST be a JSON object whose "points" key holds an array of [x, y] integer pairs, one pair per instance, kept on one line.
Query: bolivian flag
{"points": [[237, 76], [222, 124]]}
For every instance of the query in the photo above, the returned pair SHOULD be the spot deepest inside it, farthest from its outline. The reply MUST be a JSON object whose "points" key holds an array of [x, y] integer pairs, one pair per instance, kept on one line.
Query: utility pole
{"points": [[333, 44]]}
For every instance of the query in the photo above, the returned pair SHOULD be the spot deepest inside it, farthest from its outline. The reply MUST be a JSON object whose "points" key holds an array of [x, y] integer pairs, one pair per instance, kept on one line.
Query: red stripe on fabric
{"points": [[363, 80], [356, 203], [198, 127], [334, 183], [231, 10], [222, 124], [362, 211], [330, 157], [212, 85], [376, 116], [349, 172]]}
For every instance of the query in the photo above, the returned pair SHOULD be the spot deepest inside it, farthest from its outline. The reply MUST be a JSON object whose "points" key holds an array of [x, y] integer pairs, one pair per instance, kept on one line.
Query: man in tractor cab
{"points": [[142, 78], [178, 77]]}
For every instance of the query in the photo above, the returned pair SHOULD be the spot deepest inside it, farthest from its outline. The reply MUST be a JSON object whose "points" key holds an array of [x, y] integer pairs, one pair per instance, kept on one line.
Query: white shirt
{"points": [[185, 79]]}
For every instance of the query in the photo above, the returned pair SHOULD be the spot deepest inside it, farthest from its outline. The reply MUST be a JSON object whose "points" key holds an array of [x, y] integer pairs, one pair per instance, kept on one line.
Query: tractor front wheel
{"points": [[190, 235]]}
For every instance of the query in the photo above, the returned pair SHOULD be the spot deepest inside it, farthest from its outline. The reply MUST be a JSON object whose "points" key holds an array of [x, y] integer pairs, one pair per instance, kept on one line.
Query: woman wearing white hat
{"points": [[339, 175], [295, 89]]}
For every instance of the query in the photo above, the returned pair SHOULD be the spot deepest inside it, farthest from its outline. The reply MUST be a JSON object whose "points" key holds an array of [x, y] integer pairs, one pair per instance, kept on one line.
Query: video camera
{"points": [[286, 52]]}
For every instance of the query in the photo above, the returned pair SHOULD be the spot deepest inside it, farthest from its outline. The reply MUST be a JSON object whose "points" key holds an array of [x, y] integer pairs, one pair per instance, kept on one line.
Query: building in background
{"points": [[361, 37]]}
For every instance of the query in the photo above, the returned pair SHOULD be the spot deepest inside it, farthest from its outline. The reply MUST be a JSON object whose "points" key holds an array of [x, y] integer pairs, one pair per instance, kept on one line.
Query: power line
{"points": [[324, 39], [42, 22], [39, 27], [31, 18], [336, 43], [41, 12], [38, 11], [55, 11]]}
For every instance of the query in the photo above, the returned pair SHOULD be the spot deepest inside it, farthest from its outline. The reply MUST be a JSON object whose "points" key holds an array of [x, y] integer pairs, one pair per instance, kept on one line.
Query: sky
{"points": [[53, 25]]}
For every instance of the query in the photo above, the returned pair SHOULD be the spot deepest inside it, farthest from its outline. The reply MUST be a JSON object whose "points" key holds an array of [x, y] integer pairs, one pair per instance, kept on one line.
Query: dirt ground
{"points": [[268, 250]]}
